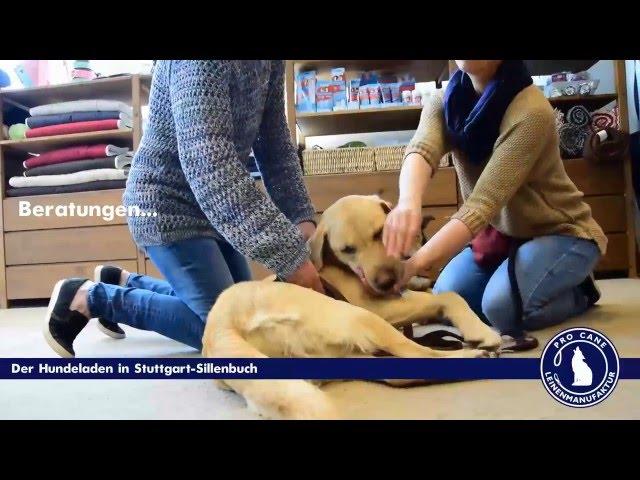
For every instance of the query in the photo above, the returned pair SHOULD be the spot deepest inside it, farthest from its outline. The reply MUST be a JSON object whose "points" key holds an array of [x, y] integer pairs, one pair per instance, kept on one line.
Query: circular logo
{"points": [[579, 367]]}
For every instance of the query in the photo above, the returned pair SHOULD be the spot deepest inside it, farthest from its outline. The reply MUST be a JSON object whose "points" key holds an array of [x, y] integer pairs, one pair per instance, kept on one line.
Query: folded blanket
{"points": [[78, 187], [124, 161], [72, 117], [69, 154], [68, 178], [78, 127], [78, 166], [81, 106]]}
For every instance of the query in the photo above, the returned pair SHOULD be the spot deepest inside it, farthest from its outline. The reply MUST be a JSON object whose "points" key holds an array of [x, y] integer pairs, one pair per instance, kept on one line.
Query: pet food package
{"points": [[396, 97], [354, 95], [364, 97], [306, 91], [385, 90], [324, 96], [416, 97], [338, 89], [374, 94]]}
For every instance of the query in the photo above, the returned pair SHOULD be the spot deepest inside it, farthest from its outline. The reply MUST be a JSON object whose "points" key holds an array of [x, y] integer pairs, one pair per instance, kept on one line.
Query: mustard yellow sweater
{"points": [[523, 189]]}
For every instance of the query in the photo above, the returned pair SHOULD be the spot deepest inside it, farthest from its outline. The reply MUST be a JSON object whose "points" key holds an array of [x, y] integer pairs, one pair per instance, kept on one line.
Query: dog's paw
{"points": [[482, 336], [419, 284], [323, 410], [475, 353], [491, 341]]}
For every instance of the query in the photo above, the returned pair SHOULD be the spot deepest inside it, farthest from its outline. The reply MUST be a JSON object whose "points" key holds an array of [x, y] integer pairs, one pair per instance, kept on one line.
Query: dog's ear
{"points": [[316, 244], [425, 221], [386, 206]]}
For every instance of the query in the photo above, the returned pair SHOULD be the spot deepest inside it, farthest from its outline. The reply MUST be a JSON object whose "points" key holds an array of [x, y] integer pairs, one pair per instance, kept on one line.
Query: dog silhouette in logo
{"points": [[582, 374]]}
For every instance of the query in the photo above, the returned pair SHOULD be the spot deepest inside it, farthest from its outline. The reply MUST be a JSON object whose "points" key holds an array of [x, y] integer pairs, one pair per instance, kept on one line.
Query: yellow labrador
{"points": [[272, 319], [348, 252]]}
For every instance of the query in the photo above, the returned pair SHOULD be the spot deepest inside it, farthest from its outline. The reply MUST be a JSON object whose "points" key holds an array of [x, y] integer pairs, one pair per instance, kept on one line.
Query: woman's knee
{"points": [[497, 306], [455, 276]]}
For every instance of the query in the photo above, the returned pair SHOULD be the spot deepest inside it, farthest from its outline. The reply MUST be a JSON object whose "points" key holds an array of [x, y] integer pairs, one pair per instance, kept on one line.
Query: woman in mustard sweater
{"points": [[500, 130]]}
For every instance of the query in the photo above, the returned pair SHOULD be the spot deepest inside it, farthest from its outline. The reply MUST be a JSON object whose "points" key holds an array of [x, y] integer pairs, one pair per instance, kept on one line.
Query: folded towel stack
{"points": [[73, 169], [75, 117]]}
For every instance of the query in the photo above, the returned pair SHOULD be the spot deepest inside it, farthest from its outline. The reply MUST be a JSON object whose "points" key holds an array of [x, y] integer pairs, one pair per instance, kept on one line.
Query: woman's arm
{"points": [[277, 156], [225, 191], [422, 157], [515, 154]]}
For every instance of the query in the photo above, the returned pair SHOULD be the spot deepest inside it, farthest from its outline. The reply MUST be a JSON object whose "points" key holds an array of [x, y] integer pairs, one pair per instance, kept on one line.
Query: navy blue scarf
{"points": [[473, 124]]}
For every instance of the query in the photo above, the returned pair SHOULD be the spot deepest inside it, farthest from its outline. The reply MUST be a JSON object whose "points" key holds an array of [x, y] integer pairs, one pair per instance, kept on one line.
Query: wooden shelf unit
{"points": [[607, 188], [363, 120], [35, 252]]}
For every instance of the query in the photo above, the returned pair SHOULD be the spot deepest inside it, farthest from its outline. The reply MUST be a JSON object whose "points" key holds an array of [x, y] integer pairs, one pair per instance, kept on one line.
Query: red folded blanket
{"points": [[77, 127], [68, 154]]}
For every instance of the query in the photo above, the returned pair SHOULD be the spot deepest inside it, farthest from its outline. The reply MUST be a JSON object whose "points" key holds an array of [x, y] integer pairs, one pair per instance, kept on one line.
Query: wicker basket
{"points": [[338, 160], [390, 157]]}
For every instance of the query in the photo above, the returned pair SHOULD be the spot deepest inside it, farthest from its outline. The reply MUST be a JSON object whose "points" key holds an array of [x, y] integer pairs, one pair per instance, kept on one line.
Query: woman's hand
{"points": [[402, 227], [307, 229], [307, 276], [412, 268]]}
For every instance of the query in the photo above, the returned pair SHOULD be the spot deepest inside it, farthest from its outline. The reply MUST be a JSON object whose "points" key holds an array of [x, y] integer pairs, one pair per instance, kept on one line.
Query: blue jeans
{"points": [[197, 271], [548, 269]]}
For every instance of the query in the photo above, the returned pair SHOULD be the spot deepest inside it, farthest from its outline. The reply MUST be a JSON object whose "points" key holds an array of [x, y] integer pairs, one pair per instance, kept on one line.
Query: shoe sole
{"points": [[56, 347], [106, 331], [110, 333]]}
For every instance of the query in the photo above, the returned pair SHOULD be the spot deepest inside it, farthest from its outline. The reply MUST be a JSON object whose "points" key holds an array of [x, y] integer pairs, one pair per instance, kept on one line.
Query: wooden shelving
{"points": [[422, 70], [112, 88], [358, 121], [37, 251], [593, 101]]}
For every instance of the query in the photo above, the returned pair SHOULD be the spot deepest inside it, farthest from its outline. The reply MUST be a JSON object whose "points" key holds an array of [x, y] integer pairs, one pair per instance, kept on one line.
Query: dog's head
{"points": [[350, 235]]}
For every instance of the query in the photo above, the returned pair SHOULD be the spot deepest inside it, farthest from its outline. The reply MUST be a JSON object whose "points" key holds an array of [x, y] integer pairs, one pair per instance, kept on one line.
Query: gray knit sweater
{"points": [[190, 168]]}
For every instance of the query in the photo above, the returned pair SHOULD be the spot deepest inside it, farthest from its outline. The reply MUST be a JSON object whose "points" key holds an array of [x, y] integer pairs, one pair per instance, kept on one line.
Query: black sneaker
{"points": [[62, 324], [591, 290], [110, 275]]}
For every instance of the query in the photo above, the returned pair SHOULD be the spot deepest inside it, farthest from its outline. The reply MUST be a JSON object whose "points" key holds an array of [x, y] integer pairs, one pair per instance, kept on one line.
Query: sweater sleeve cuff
{"points": [[293, 260], [471, 218], [306, 215], [425, 153]]}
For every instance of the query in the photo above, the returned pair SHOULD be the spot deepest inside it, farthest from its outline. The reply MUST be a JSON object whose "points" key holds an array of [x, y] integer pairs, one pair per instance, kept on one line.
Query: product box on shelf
{"points": [[338, 89], [354, 94], [324, 96], [306, 91]]}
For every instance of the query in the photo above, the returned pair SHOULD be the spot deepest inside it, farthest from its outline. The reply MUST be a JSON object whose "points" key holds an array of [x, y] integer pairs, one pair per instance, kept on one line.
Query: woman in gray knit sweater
{"points": [[203, 212]]}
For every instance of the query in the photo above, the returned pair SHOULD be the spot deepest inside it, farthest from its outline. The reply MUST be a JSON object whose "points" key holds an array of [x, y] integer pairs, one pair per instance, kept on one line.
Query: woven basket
{"points": [[338, 160], [390, 157]]}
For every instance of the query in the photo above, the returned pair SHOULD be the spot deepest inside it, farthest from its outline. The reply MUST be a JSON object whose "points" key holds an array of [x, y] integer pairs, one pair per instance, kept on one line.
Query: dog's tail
{"points": [[276, 399]]}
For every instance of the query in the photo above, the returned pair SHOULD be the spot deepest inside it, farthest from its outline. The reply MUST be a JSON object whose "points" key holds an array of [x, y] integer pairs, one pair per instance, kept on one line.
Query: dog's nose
{"points": [[385, 279]]}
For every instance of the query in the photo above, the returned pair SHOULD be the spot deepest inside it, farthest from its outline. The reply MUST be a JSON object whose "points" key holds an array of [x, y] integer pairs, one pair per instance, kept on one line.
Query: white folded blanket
{"points": [[82, 106], [68, 178], [123, 161]]}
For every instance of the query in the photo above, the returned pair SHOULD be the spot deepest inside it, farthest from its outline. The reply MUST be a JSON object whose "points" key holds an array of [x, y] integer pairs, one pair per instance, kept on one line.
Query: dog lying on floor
{"points": [[262, 319]]}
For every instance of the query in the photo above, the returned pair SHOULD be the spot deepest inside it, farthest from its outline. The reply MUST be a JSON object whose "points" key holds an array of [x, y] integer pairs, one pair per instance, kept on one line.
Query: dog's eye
{"points": [[378, 235], [349, 250]]}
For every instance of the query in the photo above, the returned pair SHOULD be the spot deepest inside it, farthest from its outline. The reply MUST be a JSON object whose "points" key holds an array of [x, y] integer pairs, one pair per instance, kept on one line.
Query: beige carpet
{"points": [[618, 316]]}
